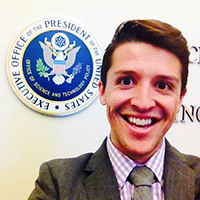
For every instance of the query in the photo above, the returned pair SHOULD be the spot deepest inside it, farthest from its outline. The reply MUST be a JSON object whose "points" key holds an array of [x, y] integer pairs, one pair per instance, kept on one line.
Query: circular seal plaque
{"points": [[54, 66]]}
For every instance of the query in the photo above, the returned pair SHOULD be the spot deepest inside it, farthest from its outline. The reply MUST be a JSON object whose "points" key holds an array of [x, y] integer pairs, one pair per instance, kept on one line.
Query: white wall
{"points": [[27, 138]]}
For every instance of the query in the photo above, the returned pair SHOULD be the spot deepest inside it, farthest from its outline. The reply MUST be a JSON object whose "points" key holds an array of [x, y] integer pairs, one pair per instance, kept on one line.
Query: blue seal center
{"points": [[57, 75]]}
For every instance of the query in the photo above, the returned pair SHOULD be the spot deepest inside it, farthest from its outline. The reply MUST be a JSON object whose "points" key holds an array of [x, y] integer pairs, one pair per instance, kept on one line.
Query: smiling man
{"points": [[143, 82], [143, 95]]}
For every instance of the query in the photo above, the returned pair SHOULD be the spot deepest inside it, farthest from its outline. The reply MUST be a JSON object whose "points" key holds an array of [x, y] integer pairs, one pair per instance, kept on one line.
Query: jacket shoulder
{"points": [[73, 166], [191, 161], [194, 164], [59, 178], [186, 162]]}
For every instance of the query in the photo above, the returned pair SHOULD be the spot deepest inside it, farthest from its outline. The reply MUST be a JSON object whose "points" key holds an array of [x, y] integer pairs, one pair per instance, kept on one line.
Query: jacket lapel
{"points": [[101, 184], [179, 179]]}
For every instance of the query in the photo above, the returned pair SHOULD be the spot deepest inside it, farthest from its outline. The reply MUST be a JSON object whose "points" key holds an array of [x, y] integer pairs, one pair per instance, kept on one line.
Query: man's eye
{"points": [[126, 81], [162, 86]]}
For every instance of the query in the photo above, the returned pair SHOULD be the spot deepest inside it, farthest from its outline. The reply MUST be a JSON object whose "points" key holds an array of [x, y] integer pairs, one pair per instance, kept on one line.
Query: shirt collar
{"points": [[123, 165]]}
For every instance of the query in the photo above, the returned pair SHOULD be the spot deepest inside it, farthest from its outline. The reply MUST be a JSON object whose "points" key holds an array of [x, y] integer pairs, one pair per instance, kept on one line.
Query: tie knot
{"points": [[141, 176]]}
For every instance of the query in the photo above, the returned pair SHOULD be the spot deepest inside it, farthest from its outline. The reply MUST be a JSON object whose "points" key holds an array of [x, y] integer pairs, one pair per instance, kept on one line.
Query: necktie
{"points": [[142, 178]]}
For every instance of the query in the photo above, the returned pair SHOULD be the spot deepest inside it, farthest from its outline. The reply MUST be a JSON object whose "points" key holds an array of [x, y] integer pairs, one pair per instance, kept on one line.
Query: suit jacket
{"points": [[91, 177]]}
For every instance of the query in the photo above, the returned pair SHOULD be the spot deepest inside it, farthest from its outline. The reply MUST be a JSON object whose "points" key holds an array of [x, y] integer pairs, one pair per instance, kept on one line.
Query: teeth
{"points": [[140, 122]]}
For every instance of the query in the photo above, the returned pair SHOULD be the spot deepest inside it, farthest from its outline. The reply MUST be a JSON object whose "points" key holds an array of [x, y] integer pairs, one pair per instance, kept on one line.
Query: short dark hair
{"points": [[154, 32]]}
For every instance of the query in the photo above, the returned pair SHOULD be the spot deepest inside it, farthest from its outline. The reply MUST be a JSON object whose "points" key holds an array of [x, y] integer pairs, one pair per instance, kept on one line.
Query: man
{"points": [[143, 82]]}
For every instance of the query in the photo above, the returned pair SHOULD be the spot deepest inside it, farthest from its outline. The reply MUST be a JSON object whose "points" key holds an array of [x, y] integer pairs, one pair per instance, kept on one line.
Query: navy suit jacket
{"points": [[91, 177]]}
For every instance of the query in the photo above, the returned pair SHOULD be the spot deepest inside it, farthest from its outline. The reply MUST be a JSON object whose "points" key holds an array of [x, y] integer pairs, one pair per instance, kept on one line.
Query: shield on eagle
{"points": [[59, 67]]}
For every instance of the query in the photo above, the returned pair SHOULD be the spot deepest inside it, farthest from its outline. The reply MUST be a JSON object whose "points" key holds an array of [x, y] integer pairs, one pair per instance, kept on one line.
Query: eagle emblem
{"points": [[59, 57]]}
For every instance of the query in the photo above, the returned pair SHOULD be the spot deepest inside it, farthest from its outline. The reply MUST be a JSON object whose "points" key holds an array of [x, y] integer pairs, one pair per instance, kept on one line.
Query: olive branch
{"points": [[42, 69]]}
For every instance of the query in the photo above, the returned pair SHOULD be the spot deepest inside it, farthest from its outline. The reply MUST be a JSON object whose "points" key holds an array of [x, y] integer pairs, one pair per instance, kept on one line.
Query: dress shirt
{"points": [[123, 165]]}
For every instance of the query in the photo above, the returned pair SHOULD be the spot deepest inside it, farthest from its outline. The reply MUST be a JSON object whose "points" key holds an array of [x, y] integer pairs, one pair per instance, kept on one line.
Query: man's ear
{"points": [[102, 93], [181, 99]]}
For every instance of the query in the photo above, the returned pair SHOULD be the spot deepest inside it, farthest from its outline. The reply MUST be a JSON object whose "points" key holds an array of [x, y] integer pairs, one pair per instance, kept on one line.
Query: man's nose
{"points": [[143, 97]]}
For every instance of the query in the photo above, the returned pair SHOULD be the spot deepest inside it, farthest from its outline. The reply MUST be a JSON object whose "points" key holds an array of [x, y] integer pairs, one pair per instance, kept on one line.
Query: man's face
{"points": [[142, 95]]}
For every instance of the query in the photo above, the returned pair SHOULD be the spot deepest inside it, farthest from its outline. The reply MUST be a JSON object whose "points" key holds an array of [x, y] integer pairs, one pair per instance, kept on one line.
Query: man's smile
{"points": [[140, 122], [143, 122]]}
